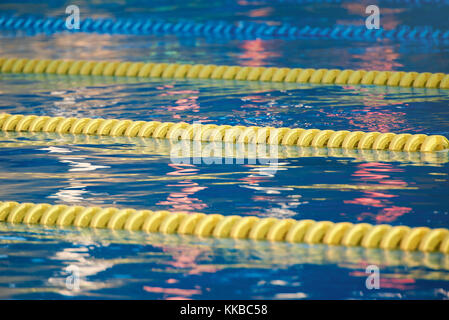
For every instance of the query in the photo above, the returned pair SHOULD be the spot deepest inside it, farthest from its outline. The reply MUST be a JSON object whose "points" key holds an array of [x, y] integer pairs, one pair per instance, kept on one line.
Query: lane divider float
{"points": [[233, 226], [225, 133], [216, 149], [199, 71], [222, 29]]}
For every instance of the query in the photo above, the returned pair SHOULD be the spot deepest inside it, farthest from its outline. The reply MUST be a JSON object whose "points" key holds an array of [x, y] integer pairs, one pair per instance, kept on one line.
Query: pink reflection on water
{"points": [[249, 3], [257, 99], [165, 86], [255, 52], [182, 104], [379, 121], [380, 194], [186, 260], [182, 172], [386, 215], [389, 283], [176, 291], [392, 213], [189, 103], [261, 12], [172, 281], [366, 202], [387, 211], [371, 119], [254, 180], [181, 200], [175, 92], [378, 58]]}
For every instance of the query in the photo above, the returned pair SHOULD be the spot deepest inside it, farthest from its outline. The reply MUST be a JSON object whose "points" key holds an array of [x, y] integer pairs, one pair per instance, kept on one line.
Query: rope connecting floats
{"points": [[225, 133], [199, 71], [243, 29], [237, 227]]}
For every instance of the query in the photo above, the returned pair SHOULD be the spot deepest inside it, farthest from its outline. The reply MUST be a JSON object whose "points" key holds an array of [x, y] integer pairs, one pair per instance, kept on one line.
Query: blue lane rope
{"points": [[409, 2], [51, 25], [264, 2], [375, 2]]}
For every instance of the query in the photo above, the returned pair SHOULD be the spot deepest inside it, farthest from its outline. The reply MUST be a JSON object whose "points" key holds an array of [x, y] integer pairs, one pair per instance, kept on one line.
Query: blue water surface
{"points": [[376, 187]]}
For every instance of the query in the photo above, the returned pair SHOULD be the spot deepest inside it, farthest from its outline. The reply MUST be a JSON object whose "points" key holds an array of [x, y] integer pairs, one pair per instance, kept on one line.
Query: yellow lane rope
{"points": [[237, 227], [164, 70], [225, 133], [186, 148]]}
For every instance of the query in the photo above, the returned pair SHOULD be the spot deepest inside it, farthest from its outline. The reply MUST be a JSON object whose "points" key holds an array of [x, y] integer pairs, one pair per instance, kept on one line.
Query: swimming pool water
{"points": [[396, 188]]}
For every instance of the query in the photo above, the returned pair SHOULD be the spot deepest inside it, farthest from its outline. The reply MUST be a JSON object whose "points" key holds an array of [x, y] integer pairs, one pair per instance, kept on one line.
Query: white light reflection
{"points": [[70, 194], [85, 266], [80, 166], [75, 190]]}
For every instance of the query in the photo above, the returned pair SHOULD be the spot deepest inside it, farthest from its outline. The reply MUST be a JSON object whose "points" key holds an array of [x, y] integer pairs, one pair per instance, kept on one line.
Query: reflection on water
{"points": [[181, 199], [375, 186], [365, 108], [120, 264], [256, 52]]}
